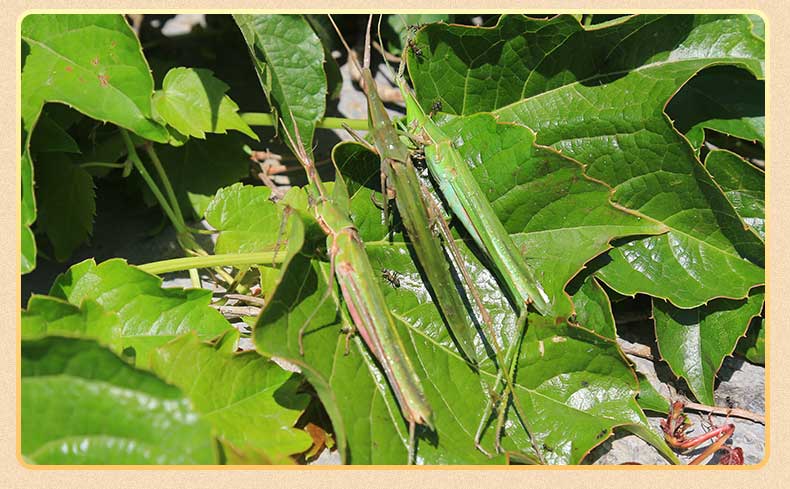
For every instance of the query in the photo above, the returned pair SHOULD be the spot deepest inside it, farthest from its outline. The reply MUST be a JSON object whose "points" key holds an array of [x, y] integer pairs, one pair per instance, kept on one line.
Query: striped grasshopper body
{"points": [[363, 297], [472, 208], [369, 311]]}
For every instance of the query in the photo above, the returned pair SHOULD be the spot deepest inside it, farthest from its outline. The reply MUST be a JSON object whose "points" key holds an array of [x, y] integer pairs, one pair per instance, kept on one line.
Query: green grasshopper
{"points": [[399, 174], [470, 205], [472, 208], [416, 208], [350, 266]]}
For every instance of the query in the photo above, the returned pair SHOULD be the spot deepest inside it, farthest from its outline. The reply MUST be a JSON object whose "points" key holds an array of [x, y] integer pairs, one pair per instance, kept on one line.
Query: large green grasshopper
{"points": [[415, 209]]}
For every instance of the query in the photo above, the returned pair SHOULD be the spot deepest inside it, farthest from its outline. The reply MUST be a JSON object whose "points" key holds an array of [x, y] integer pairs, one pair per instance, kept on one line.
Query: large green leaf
{"points": [[66, 202], [50, 316], [694, 342], [201, 167], [193, 101], [580, 387], [27, 216], [722, 98], [50, 137], [289, 59], [81, 404], [92, 62], [250, 401], [247, 221], [149, 315], [605, 109], [743, 184], [364, 413]]}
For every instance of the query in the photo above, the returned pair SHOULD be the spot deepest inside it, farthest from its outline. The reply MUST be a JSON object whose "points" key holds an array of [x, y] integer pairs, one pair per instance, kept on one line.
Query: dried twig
{"points": [[725, 411], [386, 93], [644, 351], [270, 164], [246, 298], [237, 311], [386, 54], [641, 351]]}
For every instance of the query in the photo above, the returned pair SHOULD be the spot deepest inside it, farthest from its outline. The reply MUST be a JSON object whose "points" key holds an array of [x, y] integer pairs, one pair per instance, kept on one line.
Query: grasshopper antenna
{"points": [[351, 57]]}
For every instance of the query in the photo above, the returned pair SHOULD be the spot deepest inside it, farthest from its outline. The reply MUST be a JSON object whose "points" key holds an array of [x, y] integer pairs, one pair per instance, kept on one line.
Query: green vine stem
{"points": [[224, 260], [266, 119], [138, 164], [149, 149], [101, 164]]}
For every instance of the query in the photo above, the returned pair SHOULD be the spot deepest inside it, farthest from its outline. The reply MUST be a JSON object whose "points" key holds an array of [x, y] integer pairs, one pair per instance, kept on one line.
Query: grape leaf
{"points": [[92, 62], [81, 404], [694, 342], [605, 110], [752, 346], [193, 101], [250, 401], [149, 315], [723, 98], [593, 309], [743, 184], [288, 58], [246, 220], [50, 316], [66, 202], [649, 398]]}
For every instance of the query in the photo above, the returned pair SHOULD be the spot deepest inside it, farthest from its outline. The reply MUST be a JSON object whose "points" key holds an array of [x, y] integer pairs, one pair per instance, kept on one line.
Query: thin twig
{"points": [[237, 311], [725, 411], [643, 351], [270, 164], [246, 298], [386, 54], [387, 93]]}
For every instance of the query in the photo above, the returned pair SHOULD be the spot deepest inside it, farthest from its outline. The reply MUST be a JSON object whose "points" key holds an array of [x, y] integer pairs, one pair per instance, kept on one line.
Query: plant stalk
{"points": [[149, 149], [266, 119], [230, 259], [138, 164]]}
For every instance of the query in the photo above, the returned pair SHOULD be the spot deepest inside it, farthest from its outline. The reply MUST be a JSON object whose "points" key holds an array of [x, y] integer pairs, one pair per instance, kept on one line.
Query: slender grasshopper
{"points": [[416, 207], [350, 266], [472, 208], [397, 171]]}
